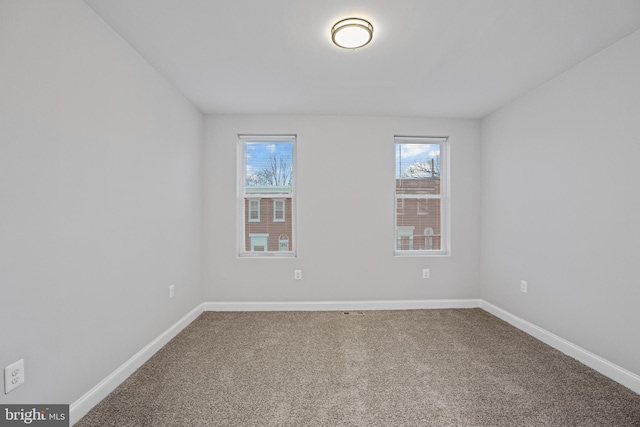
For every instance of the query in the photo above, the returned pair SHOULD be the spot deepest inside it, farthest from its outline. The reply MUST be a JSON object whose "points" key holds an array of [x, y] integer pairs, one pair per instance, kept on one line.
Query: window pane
{"points": [[418, 168], [268, 167], [418, 225], [269, 234]]}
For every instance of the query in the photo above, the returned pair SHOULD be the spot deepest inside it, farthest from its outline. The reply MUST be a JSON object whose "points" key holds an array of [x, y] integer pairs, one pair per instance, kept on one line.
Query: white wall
{"points": [[101, 202], [561, 205], [100, 199], [345, 211]]}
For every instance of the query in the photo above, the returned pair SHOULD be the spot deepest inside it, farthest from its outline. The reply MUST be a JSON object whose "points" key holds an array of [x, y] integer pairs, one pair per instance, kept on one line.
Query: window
{"points": [[254, 210], [278, 210], [422, 206], [266, 182], [421, 196]]}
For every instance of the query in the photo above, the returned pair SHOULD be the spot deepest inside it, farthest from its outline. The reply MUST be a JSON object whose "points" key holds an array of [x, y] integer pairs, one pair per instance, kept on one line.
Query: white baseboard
{"points": [[341, 305], [606, 368], [82, 406]]}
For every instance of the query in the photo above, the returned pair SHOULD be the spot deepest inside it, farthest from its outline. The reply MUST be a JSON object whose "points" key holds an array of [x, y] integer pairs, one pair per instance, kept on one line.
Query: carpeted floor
{"points": [[460, 367]]}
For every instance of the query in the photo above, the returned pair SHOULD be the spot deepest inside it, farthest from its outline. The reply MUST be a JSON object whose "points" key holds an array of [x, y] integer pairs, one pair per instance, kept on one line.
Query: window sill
{"points": [[421, 254], [268, 255]]}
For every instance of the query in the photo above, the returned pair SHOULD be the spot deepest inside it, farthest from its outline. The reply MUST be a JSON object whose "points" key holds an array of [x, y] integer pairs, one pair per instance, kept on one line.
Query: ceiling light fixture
{"points": [[352, 33]]}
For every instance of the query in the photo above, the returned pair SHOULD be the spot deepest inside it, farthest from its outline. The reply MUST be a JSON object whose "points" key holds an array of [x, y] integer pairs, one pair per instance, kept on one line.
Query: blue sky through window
{"points": [[269, 163], [416, 160]]}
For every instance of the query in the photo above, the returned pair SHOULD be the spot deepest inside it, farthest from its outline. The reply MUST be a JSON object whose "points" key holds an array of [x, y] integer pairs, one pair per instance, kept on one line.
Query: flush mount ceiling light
{"points": [[352, 33]]}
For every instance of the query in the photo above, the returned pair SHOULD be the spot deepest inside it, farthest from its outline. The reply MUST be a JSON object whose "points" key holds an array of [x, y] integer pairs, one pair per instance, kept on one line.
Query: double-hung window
{"points": [[421, 214], [254, 210], [279, 209], [266, 195]]}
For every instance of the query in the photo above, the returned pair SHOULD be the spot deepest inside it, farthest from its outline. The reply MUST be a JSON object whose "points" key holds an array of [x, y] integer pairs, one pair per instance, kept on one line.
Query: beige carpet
{"points": [[382, 368]]}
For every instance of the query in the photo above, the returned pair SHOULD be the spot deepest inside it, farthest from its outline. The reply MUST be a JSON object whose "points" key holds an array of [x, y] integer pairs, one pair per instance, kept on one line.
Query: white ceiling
{"points": [[431, 58]]}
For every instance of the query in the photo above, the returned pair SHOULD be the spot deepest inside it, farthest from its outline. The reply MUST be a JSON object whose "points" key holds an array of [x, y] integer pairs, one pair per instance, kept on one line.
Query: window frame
{"points": [[444, 197], [242, 195]]}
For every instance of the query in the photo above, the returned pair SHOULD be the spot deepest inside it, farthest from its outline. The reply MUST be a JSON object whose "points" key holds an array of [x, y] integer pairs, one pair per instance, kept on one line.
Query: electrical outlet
{"points": [[13, 375], [523, 286], [172, 291], [297, 274], [426, 273]]}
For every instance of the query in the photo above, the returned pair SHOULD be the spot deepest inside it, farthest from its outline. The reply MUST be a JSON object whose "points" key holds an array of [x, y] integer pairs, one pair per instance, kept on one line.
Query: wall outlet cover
{"points": [[13, 375]]}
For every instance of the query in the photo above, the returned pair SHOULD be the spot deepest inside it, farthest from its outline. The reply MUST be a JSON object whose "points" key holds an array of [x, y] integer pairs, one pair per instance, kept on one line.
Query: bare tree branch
{"points": [[276, 172], [428, 169]]}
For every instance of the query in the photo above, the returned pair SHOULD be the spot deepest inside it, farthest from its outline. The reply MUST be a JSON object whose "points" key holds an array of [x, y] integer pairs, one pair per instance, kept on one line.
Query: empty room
{"points": [[319, 213]]}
